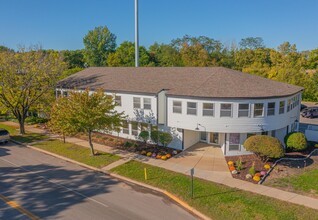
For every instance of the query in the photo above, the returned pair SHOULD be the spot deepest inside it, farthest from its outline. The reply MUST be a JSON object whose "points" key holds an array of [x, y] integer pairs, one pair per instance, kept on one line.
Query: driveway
{"points": [[51, 188]]}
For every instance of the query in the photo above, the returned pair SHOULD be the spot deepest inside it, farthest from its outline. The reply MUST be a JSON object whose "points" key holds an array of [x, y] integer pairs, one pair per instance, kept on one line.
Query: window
{"points": [[208, 109], [177, 107], [58, 93], [147, 103], [234, 142], [191, 108], [134, 128], [226, 110], [271, 108], [289, 105], [281, 107], [250, 135], [125, 127], [65, 94], [244, 110], [137, 102], [258, 110], [118, 100], [273, 133]]}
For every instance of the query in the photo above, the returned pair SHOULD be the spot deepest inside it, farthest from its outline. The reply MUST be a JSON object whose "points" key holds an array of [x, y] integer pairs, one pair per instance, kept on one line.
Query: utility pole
{"points": [[136, 35]]}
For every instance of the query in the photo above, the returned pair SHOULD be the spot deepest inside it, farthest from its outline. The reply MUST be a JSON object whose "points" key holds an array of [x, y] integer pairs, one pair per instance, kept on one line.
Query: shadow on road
{"points": [[46, 190]]}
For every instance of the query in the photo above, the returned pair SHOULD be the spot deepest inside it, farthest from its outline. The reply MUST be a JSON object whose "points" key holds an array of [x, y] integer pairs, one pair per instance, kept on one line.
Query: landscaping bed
{"points": [[247, 163], [142, 148], [215, 200]]}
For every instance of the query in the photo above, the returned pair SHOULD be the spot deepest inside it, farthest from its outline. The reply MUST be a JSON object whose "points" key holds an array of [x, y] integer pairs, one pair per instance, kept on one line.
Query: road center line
{"points": [[18, 207], [58, 184]]}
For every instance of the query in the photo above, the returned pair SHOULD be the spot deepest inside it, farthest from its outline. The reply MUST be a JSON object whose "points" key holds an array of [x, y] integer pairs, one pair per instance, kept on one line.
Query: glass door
{"points": [[214, 138], [203, 136]]}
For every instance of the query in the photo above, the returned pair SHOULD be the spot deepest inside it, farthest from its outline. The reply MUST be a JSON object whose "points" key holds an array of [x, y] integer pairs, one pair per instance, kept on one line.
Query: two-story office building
{"points": [[215, 105]]}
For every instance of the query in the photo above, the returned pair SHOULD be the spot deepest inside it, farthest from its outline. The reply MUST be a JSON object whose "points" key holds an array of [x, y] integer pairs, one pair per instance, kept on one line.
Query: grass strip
{"points": [[77, 153], [306, 182], [215, 200]]}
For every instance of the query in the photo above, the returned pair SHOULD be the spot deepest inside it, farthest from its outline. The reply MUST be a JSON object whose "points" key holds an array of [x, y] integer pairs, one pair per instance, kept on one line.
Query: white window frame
{"points": [[118, 100], [244, 110], [237, 145], [147, 103], [282, 108], [125, 130], [226, 110], [209, 112], [177, 109], [258, 109], [271, 109], [190, 109], [136, 103], [134, 132]]}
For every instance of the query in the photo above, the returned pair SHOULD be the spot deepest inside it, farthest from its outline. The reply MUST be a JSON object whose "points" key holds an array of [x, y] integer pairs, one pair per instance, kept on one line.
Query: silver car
{"points": [[4, 136]]}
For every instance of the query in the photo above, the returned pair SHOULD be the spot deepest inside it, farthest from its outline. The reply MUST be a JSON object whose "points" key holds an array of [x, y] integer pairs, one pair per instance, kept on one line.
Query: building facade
{"points": [[218, 106]]}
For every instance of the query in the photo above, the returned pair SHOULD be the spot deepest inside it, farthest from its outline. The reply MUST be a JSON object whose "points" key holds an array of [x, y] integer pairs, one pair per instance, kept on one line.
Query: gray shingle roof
{"points": [[209, 82]]}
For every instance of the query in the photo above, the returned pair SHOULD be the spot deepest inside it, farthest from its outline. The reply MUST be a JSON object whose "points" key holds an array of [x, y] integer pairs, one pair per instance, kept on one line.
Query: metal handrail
{"points": [[281, 159]]}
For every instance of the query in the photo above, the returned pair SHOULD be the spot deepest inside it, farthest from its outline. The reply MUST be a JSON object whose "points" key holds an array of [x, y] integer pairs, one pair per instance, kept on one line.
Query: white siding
{"points": [[231, 124]]}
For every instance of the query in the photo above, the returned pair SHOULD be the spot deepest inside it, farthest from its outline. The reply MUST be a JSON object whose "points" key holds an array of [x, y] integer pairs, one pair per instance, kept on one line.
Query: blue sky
{"points": [[62, 24]]}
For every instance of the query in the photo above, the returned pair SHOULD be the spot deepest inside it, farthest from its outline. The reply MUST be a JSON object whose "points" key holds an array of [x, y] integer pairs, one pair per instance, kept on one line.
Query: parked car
{"points": [[310, 112], [302, 107], [4, 136]]}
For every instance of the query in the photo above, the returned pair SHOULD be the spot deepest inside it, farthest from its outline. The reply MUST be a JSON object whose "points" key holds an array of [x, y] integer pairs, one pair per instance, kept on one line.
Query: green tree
{"points": [[99, 43], [59, 118], [74, 58], [86, 112], [264, 146], [125, 55], [286, 48], [27, 79], [165, 55], [144, 136], [252, 43]]}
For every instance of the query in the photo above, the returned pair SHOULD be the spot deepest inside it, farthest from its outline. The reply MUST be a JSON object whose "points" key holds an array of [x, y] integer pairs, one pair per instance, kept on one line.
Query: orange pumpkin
{"points": [[258, 174]]}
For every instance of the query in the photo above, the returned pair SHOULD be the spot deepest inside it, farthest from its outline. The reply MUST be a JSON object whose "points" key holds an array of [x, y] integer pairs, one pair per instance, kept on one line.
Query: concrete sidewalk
{"points": [[210, 175]]}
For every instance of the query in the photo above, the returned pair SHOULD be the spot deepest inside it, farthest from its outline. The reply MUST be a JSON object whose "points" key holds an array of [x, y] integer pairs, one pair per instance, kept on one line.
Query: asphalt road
{"points": [[50, 188]]}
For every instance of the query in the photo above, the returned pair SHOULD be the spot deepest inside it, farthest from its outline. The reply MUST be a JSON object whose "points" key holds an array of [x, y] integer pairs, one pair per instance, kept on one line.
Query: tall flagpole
{"points": [[136, 35]]}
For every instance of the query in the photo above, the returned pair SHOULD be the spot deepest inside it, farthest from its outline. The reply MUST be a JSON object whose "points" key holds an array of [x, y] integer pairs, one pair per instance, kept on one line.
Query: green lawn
{"points": [[215, 200], [78, 153], [306, 182], [12, 130], [26, 138]]}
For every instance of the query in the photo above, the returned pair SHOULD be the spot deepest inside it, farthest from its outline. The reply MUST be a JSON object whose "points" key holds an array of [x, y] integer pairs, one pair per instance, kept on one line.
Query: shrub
{"points": [[252, 171], [165, 138], [144, 136], [155, 136], [296, 141], [264, 146], [128, 144], [239, 164]]}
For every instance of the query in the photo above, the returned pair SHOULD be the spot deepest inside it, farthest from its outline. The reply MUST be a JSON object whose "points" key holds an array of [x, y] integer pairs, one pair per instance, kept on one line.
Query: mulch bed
{"points": [[283, 169], [247, 161], [128, 144]]}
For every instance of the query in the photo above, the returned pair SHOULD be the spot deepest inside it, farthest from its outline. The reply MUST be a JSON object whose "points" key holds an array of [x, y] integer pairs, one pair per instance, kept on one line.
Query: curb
{"points": [[166, 193]]}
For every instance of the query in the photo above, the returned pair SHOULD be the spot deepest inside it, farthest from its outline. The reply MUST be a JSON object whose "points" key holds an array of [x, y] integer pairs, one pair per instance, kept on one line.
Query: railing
{"points": [[286, 159]]}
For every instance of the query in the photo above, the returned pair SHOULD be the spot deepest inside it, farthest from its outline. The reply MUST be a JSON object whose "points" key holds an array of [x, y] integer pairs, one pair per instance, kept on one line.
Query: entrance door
{"points": [[203, 136], [214, 138]]}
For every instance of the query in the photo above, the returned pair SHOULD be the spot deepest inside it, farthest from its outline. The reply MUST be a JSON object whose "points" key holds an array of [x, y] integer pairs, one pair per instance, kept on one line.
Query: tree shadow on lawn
{"points": [[46, 190], [215, 194]]}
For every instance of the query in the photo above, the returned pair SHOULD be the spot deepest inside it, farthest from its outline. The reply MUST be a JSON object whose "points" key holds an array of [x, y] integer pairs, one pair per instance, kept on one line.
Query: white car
{"points": [[4, 136]]}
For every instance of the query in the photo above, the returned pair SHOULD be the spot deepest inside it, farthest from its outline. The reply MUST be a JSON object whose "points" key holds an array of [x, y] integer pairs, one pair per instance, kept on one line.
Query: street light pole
{"points": [[136, 35]]}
